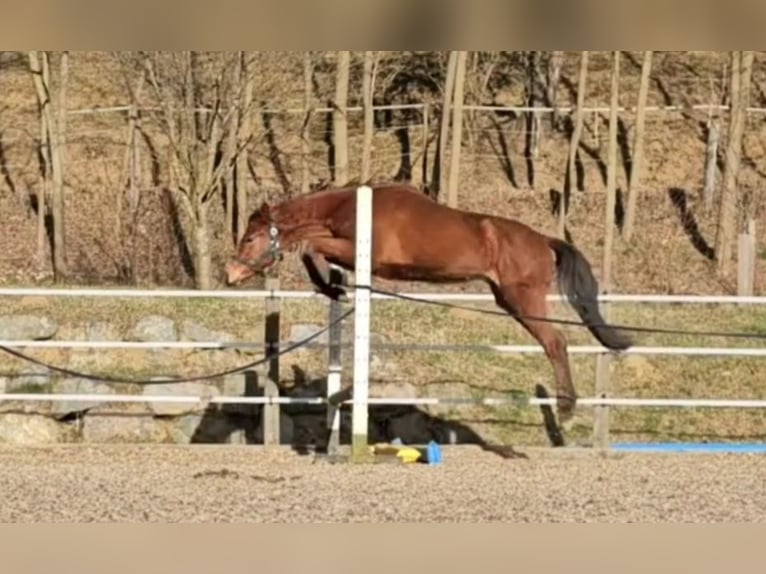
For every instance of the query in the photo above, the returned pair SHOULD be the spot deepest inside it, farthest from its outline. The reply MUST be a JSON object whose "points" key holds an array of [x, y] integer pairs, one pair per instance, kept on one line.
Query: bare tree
{"points": [[199, 107], [368, 89], [439, 175], [244, 135], [574, 144], [533, 118], [308, 99], [126, 222], [232, 140], [741, 71], [638, 147], [340, 119], [52, 109], [457, 128], [711, 147], [552, 84]]}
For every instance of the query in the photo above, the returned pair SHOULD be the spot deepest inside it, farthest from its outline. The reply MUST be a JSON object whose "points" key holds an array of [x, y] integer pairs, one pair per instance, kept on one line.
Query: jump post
{"points": [[363, 280]]}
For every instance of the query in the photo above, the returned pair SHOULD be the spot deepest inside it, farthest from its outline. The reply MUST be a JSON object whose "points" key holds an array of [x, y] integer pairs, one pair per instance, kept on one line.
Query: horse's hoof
{"points": [[565, 414], [338, 294], [566, 424]]}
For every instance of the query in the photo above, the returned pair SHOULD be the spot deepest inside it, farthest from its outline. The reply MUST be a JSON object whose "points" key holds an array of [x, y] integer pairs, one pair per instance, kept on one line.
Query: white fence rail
{"points": [[297, 294]]}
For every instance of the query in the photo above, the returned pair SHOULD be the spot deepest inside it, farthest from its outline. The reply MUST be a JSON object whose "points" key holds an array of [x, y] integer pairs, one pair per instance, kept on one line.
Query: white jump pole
{"points": [[362, 277]]}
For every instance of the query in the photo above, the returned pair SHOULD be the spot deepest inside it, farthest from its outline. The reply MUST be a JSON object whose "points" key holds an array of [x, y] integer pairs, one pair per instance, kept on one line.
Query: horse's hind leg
{"points": [[524, 301]]}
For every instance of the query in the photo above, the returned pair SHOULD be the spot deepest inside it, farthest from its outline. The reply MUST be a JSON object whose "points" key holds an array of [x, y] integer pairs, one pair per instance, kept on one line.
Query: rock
{"points": [[25, 383], [27, 327], [234, 385], [102, 331], [394, 390], [155, 328], [32, 429], [78, 387], [28, 381], [179, 389], [121, 429], [300, 331], [193, 331]]}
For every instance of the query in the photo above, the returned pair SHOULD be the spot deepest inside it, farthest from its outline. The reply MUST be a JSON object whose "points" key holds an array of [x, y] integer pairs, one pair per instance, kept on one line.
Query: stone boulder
{"points": [[123, 429], [33, 429], [74, 386], [201, 389], [193, 331], [27, 327], [155, 328]]}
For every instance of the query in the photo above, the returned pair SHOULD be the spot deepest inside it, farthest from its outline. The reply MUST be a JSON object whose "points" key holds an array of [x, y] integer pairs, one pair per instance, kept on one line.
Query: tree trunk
{"points": [[58, 140], [231, 176], [245, 132], [368, 90], [308, 94], [457, 129], [574, 144], [340, 120], [638, 147], [202, 256], [554, 73], [439, 176], [44, 189], [611, 184], [533, 138], [53, 126], [741, 70]]}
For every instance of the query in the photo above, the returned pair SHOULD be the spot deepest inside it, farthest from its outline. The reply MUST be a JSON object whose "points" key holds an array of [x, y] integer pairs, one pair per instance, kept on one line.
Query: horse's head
{"points": [[258, 249]]}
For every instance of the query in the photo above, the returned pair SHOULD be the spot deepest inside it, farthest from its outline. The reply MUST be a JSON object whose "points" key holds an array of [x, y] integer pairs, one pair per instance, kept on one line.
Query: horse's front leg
{"points": [[312, 261]]}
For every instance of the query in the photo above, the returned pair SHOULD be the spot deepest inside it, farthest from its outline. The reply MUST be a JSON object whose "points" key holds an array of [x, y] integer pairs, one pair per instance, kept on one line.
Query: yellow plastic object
{"points": [[408, 454], [405, 453]]}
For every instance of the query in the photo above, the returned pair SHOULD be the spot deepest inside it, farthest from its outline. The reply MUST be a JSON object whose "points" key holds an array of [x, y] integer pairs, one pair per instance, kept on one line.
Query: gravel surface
{"points": [[253, 484]]}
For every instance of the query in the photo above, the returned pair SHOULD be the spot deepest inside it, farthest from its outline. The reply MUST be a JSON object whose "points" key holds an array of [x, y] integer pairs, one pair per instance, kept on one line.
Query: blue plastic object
{"points": [[434, 453], [691, 447]]}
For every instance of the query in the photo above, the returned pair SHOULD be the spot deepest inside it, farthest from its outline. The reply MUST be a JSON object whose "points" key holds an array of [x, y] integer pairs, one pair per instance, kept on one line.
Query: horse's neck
{"points": [[305, 212]]}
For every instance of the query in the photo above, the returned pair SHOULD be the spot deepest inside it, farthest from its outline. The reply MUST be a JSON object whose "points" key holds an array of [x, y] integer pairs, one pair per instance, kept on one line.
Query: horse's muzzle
{"points": [[236, 273]]}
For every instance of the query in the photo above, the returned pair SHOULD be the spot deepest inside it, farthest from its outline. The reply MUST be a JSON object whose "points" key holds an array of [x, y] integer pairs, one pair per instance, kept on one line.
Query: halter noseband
{"points": [[274, 250]]}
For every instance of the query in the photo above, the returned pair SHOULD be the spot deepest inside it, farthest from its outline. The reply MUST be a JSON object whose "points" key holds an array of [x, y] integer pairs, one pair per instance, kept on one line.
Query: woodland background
{"points": [[140, 168]]}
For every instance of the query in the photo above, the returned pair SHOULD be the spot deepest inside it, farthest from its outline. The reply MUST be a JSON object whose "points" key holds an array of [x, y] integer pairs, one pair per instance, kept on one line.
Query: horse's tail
{"points": [[577, 283]]}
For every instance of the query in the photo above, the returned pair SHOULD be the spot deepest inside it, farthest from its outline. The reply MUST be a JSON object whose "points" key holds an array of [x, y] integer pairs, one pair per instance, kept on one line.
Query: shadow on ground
{"points": [[304, 427]]}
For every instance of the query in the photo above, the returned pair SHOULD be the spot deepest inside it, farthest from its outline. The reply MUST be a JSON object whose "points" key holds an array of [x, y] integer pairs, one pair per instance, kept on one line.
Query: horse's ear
{"points": [[265, 209]]}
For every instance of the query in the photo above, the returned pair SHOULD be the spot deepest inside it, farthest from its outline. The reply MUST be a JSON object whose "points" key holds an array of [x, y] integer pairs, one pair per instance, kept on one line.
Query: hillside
{"points": [[671, 249]]}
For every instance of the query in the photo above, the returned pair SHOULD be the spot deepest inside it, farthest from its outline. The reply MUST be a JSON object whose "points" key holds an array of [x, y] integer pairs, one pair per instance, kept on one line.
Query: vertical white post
{"points": [[362, 276]]}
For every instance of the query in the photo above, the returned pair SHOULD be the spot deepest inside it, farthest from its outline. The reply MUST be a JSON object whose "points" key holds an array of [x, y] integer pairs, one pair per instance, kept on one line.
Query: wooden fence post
{"points": [[269, 374], [746, 261]]}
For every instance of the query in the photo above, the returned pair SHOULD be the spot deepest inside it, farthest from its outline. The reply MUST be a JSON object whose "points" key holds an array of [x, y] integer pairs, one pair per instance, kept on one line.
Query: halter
{"points": [[274, 250]]}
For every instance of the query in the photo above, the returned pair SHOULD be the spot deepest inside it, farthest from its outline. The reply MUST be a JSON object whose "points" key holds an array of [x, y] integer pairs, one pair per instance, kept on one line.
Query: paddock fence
{"points": [[272, 401]]}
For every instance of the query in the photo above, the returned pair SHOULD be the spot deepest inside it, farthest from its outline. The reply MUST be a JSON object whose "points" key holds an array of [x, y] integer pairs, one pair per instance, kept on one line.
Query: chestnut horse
{"points": [[417, 239]]}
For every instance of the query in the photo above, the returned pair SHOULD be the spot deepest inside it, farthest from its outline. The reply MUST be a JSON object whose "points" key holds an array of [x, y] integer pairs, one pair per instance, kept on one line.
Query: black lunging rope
{"points": [[659, 330], [159, 381]]}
